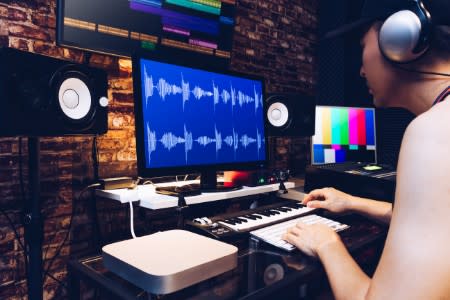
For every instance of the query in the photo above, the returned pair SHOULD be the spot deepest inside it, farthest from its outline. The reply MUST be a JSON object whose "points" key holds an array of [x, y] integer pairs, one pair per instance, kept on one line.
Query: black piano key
{"points": [[231, 222], [282, 209], [265, 213], [257, 216]]}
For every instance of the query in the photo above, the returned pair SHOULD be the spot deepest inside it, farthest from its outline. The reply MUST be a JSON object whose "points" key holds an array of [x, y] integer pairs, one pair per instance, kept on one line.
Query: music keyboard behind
{"points": [[227, 225]]}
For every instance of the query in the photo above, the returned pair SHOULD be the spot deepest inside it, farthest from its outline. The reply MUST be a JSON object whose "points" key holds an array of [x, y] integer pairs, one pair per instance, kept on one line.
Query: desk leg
{"points": [[74, 286]]}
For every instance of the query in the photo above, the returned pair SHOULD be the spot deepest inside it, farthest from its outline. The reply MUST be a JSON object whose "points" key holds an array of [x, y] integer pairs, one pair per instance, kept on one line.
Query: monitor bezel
{"points": [[202, 65], [346, 107]]}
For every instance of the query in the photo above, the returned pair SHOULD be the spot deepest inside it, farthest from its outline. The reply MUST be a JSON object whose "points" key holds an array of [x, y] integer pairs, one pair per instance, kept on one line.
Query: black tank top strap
{"points": [[442, 95]]}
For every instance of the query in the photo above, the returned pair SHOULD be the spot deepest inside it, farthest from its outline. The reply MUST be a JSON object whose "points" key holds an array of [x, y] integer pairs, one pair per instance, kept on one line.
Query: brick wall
{"points": [[275, 39]]}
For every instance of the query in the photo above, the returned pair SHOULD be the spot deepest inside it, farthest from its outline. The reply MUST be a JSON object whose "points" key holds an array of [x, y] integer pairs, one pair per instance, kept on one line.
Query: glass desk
{"points": [[262, 271]]}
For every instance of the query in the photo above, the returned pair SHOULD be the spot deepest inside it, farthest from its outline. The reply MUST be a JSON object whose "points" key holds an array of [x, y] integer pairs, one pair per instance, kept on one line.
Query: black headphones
{"points": [[405, 35]]}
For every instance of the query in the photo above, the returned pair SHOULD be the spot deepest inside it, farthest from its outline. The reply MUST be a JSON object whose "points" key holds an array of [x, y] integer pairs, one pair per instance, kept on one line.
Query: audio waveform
{"points": [[169, 141], [151, 142], [218, 136], [260, 140], [165, 89], [247, 141]]}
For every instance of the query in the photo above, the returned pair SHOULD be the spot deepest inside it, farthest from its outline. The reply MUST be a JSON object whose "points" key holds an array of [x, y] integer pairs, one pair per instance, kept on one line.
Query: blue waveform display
{"points": [[195, 117]]}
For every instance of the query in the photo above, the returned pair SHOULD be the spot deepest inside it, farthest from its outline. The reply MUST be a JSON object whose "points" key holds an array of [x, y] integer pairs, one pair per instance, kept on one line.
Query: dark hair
{"points": [[441, 40]]}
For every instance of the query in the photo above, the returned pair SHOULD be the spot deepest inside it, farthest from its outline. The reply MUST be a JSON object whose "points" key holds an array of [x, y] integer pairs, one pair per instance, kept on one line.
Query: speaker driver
{"points": [[278, 114], [273, 273], [74, 98], [290, 115]]}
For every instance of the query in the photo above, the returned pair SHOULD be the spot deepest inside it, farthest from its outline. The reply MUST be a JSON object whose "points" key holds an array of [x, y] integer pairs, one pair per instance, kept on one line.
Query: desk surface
{"points": [[261, 271], [148, 197]]}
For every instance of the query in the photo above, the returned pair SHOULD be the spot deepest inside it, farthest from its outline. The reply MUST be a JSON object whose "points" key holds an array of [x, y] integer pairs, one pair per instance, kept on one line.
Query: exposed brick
{"points": [[43, 20], [3, 27], [121, 84], [47, 48], [104, 61], [3, 10], [29, 32], [15, 14]]}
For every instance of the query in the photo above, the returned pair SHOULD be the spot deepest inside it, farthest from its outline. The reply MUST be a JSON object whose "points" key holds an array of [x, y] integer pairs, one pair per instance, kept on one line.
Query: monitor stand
{"points": [[209, 184]]}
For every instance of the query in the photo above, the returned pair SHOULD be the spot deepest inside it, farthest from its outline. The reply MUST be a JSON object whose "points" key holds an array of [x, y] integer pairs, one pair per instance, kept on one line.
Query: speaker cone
{"points": [[74, 98], [278, 114], [273, 273]]}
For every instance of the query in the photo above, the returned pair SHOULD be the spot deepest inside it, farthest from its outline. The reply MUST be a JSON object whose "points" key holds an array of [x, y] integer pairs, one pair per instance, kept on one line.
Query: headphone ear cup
{"points": [[404, 36]]}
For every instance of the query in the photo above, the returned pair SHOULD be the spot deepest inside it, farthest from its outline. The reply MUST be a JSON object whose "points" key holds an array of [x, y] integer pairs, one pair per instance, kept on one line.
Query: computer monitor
{"points": [[192, 119], [121, 26], [344, 134]]}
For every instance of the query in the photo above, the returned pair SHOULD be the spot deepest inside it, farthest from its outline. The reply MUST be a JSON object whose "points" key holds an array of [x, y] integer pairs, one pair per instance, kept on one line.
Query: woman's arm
{"points": [[377, 210], [338, 202]]}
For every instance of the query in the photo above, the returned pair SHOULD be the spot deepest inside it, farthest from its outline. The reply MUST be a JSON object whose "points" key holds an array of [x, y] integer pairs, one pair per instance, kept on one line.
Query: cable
{"points": [[132, 220], [16, 234], [23, 196], [420, 71], [63, 284], [95, 158], [69, 227]]}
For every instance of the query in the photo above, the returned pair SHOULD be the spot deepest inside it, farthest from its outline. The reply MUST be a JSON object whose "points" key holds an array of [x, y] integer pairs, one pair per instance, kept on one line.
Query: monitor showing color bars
{"points": [[344, 134]]}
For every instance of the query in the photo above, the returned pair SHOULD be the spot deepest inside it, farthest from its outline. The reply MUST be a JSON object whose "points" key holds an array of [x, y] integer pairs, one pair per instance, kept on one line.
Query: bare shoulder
{"points": [[418, 246], [430, 125], [424, 164]]}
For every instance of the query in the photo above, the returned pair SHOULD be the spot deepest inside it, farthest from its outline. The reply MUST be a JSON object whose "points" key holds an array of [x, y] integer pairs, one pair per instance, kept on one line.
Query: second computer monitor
{"points": [[344, 134]]}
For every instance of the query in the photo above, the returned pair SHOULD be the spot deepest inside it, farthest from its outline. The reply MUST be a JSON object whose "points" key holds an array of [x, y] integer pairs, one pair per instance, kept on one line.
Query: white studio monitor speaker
{"points": [[290, 115], [45, 96]]}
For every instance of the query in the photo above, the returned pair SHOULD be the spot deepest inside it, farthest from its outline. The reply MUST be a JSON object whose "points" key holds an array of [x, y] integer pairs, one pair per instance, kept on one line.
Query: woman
{"points": [[415, 263]]}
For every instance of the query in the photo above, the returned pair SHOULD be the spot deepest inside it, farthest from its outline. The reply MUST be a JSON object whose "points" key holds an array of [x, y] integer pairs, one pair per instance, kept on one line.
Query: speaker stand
{"points": [[33, 223]]}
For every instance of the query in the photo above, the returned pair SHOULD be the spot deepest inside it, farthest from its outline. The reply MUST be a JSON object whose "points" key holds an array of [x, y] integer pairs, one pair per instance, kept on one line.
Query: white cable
{"points": [[132, 220]]}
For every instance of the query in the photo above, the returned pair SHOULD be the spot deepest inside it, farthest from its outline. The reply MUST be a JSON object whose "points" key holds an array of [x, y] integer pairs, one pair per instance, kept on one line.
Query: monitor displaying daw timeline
{"points": [[189, 117], [122, 26], [344, 134]]}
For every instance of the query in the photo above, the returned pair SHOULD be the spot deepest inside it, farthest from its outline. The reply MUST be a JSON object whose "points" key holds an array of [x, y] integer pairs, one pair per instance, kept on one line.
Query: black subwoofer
{"points": [[44, 96]]}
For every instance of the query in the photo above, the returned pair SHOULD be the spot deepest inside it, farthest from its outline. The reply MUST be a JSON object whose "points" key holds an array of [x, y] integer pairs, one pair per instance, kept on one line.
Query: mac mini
{"points": [[168, 261]]}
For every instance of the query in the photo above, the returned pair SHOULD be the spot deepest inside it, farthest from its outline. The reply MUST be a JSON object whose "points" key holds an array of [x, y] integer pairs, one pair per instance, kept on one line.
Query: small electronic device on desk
{"points": [[168, 261], [182, 190]]}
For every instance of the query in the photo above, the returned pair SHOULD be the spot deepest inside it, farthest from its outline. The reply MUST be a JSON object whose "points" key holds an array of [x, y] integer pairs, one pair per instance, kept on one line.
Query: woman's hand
{"points": [[310, 238], [329, 199]]}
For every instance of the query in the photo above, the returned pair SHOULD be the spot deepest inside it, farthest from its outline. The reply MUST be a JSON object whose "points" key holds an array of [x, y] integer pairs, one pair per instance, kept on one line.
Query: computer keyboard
{"points": [[272, 234]]}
